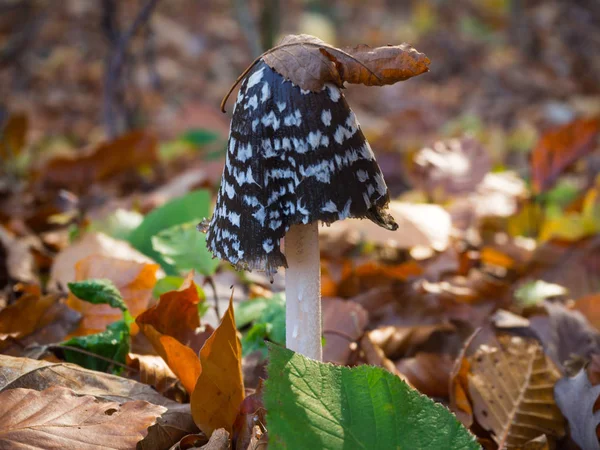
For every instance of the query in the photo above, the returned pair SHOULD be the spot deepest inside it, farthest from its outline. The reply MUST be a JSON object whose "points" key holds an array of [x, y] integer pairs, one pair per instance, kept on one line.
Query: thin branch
{"points": [[211, 282], [116, 63]]}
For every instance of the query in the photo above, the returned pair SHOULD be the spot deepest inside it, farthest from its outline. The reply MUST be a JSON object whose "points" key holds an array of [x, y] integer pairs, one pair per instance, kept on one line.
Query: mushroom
{"points": [[295, 158]]}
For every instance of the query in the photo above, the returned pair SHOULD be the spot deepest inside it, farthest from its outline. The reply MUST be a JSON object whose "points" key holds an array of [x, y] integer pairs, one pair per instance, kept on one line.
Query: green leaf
{"points": [[535, 292], [191, 207], [184, 247], [268, 318], [119, 225], [316, 405], [98, 291], [200, 136], [113, 343]]}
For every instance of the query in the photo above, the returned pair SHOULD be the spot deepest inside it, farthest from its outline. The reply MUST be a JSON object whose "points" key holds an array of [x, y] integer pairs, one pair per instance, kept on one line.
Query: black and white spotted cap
{"points": [[294, 157]]}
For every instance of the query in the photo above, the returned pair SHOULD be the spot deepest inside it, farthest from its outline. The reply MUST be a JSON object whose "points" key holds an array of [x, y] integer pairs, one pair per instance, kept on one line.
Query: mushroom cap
{"points": [[293, 157]]}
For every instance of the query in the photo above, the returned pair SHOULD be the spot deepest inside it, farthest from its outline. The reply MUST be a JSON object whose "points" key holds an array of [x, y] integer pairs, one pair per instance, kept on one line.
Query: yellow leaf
{"points": [[219, 390]]}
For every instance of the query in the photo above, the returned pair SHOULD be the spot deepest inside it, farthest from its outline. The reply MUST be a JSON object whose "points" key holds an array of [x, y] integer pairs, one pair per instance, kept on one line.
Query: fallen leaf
{"points": [[374, 356], [252, 413], [589, 306], [428, 372], [219, 390], [559, 148], [402, 341], [310, 63], [35, 319], [153, 371], [565, 333], [134, 281], [20, 263], [218, 441], [372, 274], [511, 385], [57, 418], [576, 397], [105, 161], [191, 442], [172, 326], [344, 322], [63, 268], [13, 136], [39, 375], [451, 167]]}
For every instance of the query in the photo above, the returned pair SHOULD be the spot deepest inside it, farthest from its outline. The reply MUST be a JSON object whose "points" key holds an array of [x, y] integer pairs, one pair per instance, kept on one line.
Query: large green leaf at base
{"points": [[317, 405]]}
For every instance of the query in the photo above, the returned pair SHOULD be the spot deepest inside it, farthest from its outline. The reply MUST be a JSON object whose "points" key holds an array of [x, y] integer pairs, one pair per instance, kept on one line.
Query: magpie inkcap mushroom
{"points": [[293, 157]]}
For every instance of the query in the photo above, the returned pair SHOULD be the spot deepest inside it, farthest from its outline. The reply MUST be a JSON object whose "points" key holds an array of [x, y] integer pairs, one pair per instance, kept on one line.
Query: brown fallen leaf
{"points": [[35, 319], [218, 441], [219, 391], [105, 161], [309, 62], [154, 371], [589, 306], [191, 442], [172, 326], [372, 274], [252, 414], [375, 356], [39, 375], [399, 341], [344, 322], [559, 148], [13, 135], [57, 418], [511, 384], [428, 372], [20, 263], [134, 280]]}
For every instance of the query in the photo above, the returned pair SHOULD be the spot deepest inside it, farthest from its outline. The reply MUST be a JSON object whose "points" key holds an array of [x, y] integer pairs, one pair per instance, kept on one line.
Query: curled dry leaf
{"points": [[57, 418], [576, 397], [172, 326], [39, 375], [219, 390], [511, 384], [154, 371], [309, 62], [134, 280], [252, 414]]}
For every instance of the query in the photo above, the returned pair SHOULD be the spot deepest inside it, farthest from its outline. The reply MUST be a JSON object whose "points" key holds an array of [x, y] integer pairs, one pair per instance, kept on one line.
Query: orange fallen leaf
{"points": [[561, 147], [219, 390], [134, 280], [373, 274], [25, 315], [589, 306], [172, 327]]}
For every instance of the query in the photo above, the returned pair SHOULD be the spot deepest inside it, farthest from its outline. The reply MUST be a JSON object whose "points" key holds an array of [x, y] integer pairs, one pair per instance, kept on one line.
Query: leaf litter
{"points": [[473, 235]]}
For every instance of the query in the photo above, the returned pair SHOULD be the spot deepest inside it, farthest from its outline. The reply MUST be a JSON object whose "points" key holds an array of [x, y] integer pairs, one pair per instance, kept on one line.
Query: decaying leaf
{"points": [[576, 397], [19, 259], [252, 414], [57, 418], [511, 385], [12, 136], [39, 375], [344, 322], [561, 147], [172, 326], [154, 371], [428, 372], [219, 390], [309, 62]]}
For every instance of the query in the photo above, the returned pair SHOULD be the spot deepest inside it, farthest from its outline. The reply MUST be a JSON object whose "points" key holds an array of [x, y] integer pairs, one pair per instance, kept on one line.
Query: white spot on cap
{"points": [[281, 106], [326, 117], [255, 123], [260, 215], [362, 175], [244, 152], [252, 102], [314, 138], [293, 119], [329, 207], [265, 92], [255, 78], [334, 92], [234, 218], [346, 211], [274, 224], [271, 120], [268, 245]]}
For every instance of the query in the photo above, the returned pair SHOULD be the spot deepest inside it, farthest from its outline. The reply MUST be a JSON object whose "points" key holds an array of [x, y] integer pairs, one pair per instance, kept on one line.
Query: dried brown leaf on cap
{"points": [[309, 62]]}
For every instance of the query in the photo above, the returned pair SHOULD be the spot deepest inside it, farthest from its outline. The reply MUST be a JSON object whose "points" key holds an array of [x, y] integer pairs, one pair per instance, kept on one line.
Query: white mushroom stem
{"points": [[303, 291]]}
